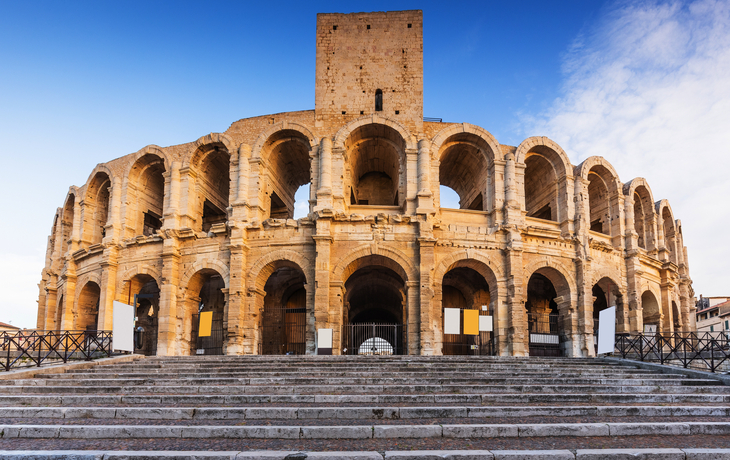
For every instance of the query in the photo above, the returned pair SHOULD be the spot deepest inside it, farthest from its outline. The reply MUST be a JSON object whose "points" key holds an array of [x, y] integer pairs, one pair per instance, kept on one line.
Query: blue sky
{"points": [[642, 83]]}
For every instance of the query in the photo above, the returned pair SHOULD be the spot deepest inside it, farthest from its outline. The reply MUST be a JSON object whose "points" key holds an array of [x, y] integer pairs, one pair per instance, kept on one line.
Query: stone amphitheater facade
{"points": [[208, 225]]}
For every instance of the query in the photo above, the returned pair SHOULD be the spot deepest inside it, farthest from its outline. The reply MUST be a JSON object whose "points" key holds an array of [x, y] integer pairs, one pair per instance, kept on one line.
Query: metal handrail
{"points": [[27, 348], [702, 350]]}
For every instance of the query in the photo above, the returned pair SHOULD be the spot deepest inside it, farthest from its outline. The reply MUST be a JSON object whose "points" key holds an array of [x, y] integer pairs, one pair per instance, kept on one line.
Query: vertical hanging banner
{"points": [[206, 324], [471, 322], [324, 341], [123, 327], [606, 330], [452, 321], [485, 324]]}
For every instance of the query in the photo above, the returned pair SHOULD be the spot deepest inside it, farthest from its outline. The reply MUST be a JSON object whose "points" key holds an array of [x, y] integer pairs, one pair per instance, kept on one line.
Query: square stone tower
{"points": [[370, 63]]}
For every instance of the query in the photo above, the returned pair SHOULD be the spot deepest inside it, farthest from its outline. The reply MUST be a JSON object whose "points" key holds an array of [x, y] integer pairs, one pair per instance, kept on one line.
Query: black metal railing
{"points": [[544, 334], [212, 344], [375, 339], [33, 348], [697, 350]]}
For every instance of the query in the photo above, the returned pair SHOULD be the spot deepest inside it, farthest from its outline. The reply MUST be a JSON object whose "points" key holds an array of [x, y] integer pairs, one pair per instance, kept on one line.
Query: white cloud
{"points": [[648, 88]]}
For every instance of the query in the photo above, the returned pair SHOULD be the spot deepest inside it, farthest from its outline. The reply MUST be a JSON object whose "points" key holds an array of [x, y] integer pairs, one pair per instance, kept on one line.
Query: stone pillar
{"points": [[512, 211], [425, 324], [516, 320], [108, 287], [411, 180], [425, 196], [188, 199], [244, 170], [67, 317], [324, 192], [584, 310], [236, 299], [76, 231], [170, 313], [172, 201], [568, 324], [324, 315], [414, 317], [48, 319], [113, 225]]}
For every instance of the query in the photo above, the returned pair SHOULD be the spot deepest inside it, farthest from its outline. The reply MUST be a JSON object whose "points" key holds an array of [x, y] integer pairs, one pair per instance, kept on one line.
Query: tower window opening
{"points": [[379, 100], [409, 25], [368, 26], [334, 27], [397, 112]]}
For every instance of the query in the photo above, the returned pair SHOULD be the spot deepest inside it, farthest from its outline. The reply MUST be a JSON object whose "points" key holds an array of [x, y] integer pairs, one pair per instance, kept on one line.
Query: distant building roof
{"points": [[8, 326]]}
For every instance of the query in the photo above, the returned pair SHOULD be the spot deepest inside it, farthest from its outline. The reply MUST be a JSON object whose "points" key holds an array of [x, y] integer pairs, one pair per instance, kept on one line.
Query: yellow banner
{"points": [[206, 324], [471, 322]]}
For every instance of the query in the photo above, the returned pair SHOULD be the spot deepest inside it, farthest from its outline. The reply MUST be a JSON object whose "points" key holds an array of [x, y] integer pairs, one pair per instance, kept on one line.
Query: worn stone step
{"points": [[483, 399], [365, 431], [359, 413]]}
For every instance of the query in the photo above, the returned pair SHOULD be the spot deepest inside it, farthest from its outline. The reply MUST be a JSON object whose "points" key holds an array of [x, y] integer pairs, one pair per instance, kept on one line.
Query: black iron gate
{"points": [[481, 344], [544, 335], [212, 345], [284, 331], [375, 339]]}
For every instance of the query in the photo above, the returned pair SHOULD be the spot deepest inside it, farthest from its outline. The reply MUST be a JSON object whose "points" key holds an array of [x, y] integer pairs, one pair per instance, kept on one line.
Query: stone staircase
{"points": [[404, 407]]}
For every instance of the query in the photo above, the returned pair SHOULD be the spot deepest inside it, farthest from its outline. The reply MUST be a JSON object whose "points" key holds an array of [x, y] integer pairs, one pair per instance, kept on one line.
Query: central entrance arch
{"points": [[375, 307]]}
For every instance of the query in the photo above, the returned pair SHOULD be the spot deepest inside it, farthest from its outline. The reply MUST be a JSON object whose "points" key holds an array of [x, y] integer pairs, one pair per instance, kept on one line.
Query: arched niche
{"points": [[96, 208], [86, 313], [651, 312], [287, 154], [145, 196], [283, 320], [204, 293], [375, 165], [466, 165], [211, 162], [144, 289], [548, 312]]}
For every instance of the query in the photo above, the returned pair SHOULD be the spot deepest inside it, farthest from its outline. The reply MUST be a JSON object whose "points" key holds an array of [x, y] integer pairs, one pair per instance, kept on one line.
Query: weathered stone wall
{"points": [[212, 219]]}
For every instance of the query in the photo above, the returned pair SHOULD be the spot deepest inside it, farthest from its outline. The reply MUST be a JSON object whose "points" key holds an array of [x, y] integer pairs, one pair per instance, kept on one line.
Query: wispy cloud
{"points": [[648, 88]]}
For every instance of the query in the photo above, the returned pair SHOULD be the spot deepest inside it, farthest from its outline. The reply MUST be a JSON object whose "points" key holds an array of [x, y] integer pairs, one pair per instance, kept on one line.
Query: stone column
{"points": [[517, 335], [324, 192], [236, 299], [76, 231], [427, 318], [568, 324], [324, 315], [425, 196], [414, 317], [108, 287], [172, 203], [512, 211], [411, 180], [113, 225], [167, 329]]}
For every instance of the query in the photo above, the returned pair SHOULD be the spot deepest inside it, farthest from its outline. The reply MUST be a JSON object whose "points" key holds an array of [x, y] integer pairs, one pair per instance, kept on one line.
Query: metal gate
{"points": [[284, 331], [375, 339], [544, 335], [469, 345], [212, 345]]}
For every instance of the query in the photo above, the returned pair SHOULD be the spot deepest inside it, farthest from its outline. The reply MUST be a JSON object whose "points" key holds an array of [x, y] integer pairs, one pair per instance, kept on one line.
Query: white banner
{"points": [[452, 321], [606, 330], [123, 327], [324, 338], [485, 324]]}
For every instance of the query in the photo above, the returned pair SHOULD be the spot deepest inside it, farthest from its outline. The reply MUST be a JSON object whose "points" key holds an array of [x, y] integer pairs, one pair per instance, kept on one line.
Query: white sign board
{"points": [[452, 321], [485, 324], [324, 338], [606, 330], [123, 327]]}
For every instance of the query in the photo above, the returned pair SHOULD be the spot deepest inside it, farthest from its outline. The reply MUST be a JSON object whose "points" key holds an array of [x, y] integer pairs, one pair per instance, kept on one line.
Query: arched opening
{"points": [[670, 241], [598, 202], [86, 315], [287, 152], [145, 196], [547, 306], [206, 299], [541, 188], [211, 162], [676, 317], [639, 221], [465, 289], [375, 307], [301, 201], [606, 294], [643, 217], [97, 207], [143, 292], [464, 165], [374, 163], [650, 311], [58, 316], [379, 100], [448, 198], [283, 321]]}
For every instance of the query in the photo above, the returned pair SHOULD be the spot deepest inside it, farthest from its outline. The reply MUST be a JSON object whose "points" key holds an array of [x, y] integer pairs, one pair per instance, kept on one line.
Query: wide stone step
{"points": [[579, 454], [355, 413], [364, 389], [193, 400], [309, 381], [473, 431]]}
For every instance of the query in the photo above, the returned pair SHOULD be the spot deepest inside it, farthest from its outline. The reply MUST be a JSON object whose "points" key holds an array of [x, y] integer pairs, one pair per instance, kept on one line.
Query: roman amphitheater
{"points": [[538, 245]]}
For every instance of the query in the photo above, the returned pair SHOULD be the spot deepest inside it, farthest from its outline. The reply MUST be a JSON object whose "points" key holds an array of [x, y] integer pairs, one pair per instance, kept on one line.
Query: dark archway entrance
{"points": [[464, 288], [543, 317], [375, 312], [205, 291], [147, 302], [283, 322]]}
